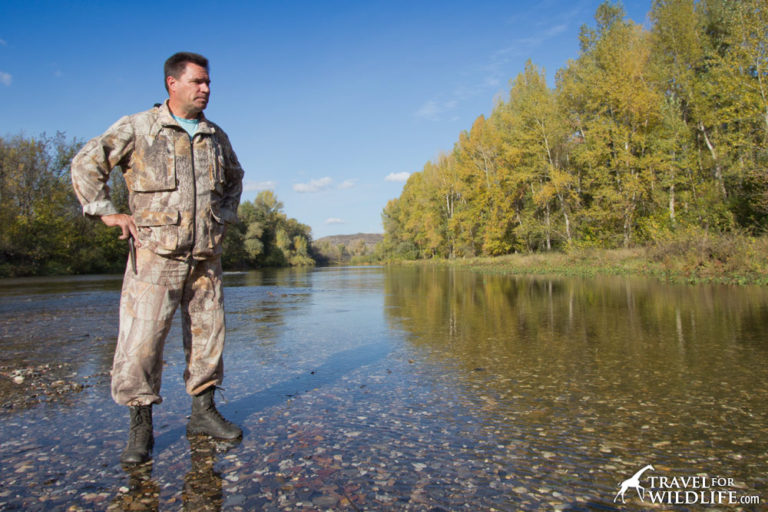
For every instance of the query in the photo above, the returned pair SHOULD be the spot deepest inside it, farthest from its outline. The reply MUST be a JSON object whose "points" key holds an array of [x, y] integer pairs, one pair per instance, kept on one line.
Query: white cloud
{"points": [[334, 220], [313, 185], [347, 184], [255, 186], [5, 79], [541, 37], [428, 110], [557, 29], [432, 109], [397, 176], [496, 68], [3, 43], [522, 46], [493, 73]]}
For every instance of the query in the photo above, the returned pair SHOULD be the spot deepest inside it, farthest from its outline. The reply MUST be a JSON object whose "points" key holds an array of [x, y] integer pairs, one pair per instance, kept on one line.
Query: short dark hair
{"points": [[177, 62]]}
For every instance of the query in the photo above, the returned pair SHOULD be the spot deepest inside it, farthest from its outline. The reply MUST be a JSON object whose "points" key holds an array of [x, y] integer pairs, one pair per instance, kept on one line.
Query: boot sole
{"points": [[135, 460]]}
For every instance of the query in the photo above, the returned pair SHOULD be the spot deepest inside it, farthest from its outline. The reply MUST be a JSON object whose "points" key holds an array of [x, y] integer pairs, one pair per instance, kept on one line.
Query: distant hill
{"points": [[339, 249], [370, 239]]}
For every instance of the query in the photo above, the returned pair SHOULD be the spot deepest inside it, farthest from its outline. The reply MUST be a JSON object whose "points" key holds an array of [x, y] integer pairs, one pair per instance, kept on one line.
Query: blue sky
{"points": [[331, 104]]}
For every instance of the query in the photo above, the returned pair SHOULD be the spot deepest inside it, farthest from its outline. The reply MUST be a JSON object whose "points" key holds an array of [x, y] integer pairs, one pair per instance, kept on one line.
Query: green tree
{"points": [[265, 237], [615, 109], [534, 140], [43, 228]]}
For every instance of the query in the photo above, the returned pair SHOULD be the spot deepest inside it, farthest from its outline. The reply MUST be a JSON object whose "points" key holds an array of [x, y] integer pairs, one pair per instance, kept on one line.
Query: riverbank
{"points": [[726, 259]]}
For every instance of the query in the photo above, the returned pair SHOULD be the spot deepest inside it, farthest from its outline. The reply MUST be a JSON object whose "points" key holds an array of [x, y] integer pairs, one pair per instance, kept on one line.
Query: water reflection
{"points": [[630, 328], [142, 491], [202, 486], [405, 389], [618, 369], [202, 483]]}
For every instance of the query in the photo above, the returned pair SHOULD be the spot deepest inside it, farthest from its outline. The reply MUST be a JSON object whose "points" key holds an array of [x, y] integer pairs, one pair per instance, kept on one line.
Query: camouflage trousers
{"points": [[148, 302]]}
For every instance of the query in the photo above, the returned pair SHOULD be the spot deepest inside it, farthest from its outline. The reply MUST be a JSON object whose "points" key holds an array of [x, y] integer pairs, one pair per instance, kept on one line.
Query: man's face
{"points": [[189, 93]]}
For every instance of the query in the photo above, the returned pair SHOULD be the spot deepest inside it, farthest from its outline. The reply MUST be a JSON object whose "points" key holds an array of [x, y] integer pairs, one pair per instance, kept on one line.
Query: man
{"points": [[184, 184]]}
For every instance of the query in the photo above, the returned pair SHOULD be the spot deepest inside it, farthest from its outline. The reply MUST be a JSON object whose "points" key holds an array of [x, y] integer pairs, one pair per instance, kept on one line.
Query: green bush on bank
{"points": [[692, 256], [697, 255]]}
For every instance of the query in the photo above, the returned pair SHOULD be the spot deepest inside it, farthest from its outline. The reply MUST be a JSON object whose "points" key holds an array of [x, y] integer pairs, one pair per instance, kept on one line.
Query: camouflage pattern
{"points": [[182, 193], [147, 305]]}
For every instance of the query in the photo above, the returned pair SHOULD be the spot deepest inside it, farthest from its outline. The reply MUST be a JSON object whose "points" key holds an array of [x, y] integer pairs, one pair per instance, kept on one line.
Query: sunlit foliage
{"points": [[646, 133], [265, 237], [42, 228]]}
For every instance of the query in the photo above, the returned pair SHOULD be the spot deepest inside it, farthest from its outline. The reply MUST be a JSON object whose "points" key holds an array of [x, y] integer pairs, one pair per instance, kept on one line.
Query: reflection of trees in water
{"points": [[608, 366], [632, 329], [258, 301]]}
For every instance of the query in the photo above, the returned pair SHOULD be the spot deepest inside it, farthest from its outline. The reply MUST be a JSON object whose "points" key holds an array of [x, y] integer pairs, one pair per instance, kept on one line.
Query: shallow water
{"points": [[402, 389]]}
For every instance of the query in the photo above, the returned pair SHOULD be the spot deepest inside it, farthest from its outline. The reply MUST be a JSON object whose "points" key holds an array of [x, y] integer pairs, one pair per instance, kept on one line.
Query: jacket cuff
{"points": [[100, 208]]}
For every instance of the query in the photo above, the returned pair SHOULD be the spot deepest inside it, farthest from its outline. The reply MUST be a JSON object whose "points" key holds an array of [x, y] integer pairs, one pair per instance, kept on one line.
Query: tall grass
{"points": [[697, 255]]}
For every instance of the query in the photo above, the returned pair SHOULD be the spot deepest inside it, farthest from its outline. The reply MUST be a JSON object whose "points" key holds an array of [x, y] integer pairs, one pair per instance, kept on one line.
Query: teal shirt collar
{"points": [[189, 125]]}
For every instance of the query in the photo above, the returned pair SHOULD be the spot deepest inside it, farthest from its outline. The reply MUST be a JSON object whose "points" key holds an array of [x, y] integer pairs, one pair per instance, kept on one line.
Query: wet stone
{"points": [[37, 383], [237, 499]]}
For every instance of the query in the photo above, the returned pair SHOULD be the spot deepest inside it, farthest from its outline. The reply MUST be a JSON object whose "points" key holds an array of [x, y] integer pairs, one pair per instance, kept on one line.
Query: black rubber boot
{"points": [[140, 437], [207, 420]]}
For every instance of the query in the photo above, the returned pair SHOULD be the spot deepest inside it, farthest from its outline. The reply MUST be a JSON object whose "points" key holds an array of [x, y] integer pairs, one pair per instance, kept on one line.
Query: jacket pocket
{"points": [[158, 229], [154, 166], [216, 230]]}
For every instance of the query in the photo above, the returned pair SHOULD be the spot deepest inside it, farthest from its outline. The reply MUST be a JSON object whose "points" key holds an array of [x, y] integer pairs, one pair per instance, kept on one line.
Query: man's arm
{"points": [[91, 168], [233, 183]]}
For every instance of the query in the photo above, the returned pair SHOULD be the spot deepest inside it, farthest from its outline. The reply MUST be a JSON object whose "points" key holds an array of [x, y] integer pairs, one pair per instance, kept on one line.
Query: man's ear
{"points": [[170, 81]]}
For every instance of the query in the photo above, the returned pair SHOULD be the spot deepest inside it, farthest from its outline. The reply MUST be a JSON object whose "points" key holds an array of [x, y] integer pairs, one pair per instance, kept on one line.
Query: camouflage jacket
{"points": [[182, 192]]}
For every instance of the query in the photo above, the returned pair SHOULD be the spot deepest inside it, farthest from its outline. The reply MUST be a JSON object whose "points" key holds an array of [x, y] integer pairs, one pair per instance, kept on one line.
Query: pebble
{"points": [[325, 501], [42, 384], [234, 500]]}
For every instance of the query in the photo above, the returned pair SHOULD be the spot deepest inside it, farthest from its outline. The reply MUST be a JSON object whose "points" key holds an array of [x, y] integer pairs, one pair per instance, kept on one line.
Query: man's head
{"points": [[187, 83]]}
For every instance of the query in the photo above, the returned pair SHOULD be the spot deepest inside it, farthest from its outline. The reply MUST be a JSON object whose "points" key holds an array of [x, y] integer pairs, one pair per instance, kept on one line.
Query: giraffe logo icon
{"points": [[633, 482]]}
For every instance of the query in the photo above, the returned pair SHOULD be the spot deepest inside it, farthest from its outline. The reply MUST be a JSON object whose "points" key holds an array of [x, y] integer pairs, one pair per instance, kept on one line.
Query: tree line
{"points": [[44, 232], [648, 134], [357, 249], [265, 237]]}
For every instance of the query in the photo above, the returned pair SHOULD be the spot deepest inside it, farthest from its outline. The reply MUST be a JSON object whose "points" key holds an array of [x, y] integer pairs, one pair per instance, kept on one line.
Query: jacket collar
{"points": [[165, 118]]}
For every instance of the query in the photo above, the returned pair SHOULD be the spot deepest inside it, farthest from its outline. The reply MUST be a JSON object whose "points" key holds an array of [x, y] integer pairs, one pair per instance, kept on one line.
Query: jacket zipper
{"points": [[194, 195]]}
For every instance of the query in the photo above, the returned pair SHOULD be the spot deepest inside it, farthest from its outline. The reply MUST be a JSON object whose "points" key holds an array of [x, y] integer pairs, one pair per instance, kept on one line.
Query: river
{"points": [[399, 388]]}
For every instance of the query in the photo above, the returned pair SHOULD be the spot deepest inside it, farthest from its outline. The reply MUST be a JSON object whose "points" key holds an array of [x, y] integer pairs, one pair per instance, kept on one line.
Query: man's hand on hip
{"points": [[125, 223]]}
